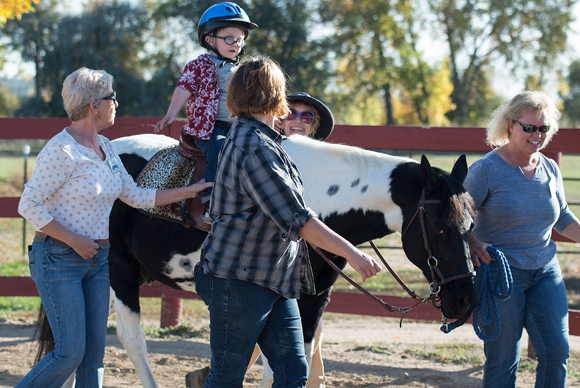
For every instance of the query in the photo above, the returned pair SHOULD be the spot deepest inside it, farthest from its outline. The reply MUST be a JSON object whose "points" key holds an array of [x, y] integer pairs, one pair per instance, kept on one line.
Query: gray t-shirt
{"points": [[224, 72], [515, 213]]}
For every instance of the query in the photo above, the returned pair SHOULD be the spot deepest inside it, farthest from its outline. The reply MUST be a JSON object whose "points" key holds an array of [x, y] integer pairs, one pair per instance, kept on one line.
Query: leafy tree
{"points": [[417, 107], [375, 52], [10, 9], [571, 96], [107, 35], [8, 102], [525, 35], [32, 36]]}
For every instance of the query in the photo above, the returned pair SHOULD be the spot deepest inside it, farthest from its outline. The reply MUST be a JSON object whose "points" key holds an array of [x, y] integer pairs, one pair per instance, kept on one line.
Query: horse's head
{"points": [[437, 218]]}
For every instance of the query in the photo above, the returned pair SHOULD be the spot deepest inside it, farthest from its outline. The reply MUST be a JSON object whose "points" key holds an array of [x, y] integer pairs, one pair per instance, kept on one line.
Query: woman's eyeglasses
{"points": [[306, 117], [230, 40], [529, 128], [111, 97]]}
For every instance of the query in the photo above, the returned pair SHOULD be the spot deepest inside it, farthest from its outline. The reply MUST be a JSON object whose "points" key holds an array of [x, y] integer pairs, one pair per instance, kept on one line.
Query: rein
{"points": [[387, 306], [438, 279]]}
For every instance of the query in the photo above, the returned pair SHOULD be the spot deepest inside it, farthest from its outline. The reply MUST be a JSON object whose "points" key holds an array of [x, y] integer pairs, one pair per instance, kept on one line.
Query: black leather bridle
{"points": [[437, 277]]}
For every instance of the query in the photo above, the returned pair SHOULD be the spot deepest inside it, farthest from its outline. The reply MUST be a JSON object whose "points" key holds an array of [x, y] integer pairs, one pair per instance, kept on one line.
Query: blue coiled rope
{"points": [[487, 306]]}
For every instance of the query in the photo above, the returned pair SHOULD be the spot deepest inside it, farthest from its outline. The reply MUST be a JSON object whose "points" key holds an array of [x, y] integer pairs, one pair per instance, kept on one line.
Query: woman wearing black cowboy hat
{"points": [[308, 117]]}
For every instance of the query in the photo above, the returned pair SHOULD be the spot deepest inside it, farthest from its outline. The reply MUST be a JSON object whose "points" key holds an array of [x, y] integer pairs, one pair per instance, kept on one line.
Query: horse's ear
{"points": [[428, 178], [460, 169]]}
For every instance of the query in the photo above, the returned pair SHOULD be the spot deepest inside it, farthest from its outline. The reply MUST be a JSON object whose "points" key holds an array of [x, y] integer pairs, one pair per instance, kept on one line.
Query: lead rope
{"points": [[487, 307]]}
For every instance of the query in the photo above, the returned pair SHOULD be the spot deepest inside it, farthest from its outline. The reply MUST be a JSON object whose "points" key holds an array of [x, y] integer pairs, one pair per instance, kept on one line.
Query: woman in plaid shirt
{"points": [[254, 263]]}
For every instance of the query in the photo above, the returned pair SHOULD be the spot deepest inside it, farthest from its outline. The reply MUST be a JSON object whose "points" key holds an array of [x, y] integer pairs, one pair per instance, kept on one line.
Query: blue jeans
{"points": [[75, 295], [243, 314], [539, 304], [211, 149]]}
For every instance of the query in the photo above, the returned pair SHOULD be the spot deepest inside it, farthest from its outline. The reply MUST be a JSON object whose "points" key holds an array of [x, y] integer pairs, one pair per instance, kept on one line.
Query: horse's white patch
{"points": [[145, 145], [338, 178], [182, 267]]}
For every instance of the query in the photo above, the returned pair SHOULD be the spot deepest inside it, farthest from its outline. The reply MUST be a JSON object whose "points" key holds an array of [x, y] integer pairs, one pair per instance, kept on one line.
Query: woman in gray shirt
{"points": [[519, 197]]}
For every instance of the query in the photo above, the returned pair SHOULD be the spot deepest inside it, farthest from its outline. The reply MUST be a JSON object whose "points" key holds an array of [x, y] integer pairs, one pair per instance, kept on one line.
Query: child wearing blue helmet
{"points": [[222, 30]]}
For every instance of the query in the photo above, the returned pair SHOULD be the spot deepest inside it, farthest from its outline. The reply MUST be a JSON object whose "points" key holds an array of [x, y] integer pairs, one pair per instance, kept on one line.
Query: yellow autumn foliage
{"points": [[10, 9]]}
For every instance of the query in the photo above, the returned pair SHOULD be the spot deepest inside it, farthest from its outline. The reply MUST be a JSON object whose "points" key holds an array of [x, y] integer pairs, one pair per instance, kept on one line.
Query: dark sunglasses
{"points": [[306, 117], [230, 40], [112, 97], [529, 128]]}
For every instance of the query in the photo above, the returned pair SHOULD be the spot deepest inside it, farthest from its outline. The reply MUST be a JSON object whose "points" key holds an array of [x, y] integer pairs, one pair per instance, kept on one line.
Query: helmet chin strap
{"points": [[235, 61]]}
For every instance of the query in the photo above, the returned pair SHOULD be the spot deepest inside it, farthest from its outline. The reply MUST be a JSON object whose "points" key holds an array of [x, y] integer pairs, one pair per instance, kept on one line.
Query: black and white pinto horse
{"points": [[360, 194]]}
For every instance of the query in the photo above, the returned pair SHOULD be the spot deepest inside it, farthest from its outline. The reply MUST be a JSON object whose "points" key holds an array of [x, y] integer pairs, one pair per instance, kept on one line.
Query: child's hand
{"points": [[163, 123]]}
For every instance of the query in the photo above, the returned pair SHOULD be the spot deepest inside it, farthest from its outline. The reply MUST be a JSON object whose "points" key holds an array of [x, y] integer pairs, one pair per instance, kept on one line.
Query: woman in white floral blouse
{"points": [[68, 199]]}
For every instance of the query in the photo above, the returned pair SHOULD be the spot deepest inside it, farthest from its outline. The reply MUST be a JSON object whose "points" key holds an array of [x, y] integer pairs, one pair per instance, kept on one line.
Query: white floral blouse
{"points": [[72, 185]]}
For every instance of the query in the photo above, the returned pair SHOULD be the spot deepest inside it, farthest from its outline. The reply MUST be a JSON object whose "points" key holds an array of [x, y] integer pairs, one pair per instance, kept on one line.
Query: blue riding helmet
{"points": [[223, 15]]}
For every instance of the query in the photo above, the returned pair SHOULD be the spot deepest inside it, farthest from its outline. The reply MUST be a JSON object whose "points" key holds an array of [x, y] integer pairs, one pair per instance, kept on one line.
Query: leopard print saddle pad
{"points": [[167, 169]]}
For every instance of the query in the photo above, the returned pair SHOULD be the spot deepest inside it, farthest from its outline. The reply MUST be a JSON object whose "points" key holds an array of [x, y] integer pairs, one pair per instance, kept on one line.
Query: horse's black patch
{"points": [[355, 183], [186, 264], [332, 190], [364, 189]]}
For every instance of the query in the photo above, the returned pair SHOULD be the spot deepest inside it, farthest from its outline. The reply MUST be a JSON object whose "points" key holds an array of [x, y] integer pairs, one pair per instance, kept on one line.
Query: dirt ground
{"points": [[358, 352]]}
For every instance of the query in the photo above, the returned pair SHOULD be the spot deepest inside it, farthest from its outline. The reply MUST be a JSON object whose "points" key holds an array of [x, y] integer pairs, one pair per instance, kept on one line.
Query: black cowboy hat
{"points": [[326, 119]]}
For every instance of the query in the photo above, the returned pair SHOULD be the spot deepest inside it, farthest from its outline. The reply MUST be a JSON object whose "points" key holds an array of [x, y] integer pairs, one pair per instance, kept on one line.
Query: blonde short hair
{"points": [[528, 101], [82, 87], [257, 87]]}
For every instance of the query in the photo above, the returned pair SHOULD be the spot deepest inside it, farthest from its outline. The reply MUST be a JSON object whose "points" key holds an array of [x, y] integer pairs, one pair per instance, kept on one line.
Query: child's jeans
{"points": [[211, 149]]}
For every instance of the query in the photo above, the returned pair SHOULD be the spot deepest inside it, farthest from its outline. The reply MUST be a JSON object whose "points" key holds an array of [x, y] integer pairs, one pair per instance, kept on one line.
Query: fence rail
{"points": [[371, 137], [341, 302]]}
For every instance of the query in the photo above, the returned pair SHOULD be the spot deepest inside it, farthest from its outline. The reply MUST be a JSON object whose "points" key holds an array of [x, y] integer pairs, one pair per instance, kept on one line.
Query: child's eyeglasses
{"points": [[529, 128], [111, 97], [306, 117], [230, 40]]}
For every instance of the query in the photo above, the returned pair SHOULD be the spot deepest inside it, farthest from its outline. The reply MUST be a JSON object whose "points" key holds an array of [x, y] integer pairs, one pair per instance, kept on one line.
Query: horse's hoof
{"points": [[196, 379]]}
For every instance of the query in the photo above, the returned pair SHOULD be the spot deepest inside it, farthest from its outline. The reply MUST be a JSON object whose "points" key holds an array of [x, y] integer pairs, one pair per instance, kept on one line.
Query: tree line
{"points": [[361, 57]]}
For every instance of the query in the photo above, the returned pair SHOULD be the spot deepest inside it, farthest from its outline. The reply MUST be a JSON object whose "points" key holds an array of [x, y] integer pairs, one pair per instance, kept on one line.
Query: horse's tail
{"points": [[45, 335]]}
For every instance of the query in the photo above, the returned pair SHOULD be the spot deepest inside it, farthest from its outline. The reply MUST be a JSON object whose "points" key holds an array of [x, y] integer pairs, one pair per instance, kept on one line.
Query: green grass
{"points": [[19, 308], [13, 166], [457, 353], [373, 349]]}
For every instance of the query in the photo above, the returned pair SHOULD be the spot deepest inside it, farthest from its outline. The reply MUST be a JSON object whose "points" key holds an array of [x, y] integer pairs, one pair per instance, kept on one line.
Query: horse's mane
{"points": [[359, 158], [460, 202]]}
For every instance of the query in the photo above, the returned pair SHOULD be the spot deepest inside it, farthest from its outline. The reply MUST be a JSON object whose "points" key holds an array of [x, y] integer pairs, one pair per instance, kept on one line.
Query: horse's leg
{"points": [[132, 337], [69, 383], [254, 357], [268, 378], [315, 363], [311, 309]]}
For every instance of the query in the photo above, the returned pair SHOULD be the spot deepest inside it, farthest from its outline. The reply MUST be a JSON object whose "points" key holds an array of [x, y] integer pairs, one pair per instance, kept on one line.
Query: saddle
{"points": [[176, 166]]}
